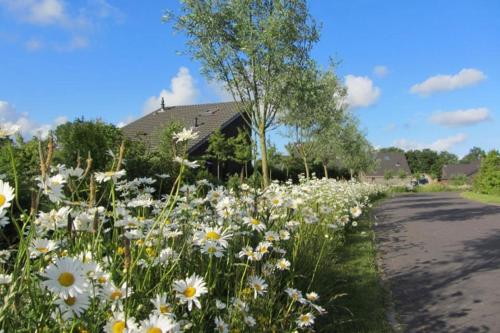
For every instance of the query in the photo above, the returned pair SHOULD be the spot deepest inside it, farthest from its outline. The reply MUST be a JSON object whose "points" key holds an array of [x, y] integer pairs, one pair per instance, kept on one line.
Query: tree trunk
{"points": [[242, 174], [263, 155], [325, 169], [351, 171], [306, 167], [218, 170]]}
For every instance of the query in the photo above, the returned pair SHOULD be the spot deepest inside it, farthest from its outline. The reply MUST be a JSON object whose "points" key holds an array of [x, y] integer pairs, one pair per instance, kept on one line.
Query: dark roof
{"points": [[468, 170], [390, 162], [209, 117]]}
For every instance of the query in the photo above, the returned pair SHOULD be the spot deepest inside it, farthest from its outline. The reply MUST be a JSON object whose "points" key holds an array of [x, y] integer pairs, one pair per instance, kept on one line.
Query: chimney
{"points": [[162, 104]]}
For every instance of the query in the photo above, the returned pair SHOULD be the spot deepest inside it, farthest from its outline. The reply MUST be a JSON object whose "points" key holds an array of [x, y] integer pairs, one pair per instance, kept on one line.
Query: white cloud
{"points": [[464, 78], [34, 44], [360, 91], [461, 117], [126, 121], [438, 145], [380, 71], [28, 127], [182, 91], [220, 90], [75, 43], [43, 12]]}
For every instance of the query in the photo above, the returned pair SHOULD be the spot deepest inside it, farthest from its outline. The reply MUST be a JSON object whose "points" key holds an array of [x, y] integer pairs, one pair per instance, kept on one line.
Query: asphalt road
{"points": [[441, 258]]}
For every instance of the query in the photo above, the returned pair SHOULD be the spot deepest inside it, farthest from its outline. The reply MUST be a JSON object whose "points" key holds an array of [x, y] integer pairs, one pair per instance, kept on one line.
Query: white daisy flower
{"points": [[116, 294], [5, 278], [6, 195], [159, 324], [117, 324], [185, 135], [213, 249], [283, 264], [250, 321], [355, 211], [254, 224], [73, 306], [258, 285], [189, 164], [189, 290], [4, 219], [65, 277], [305, 320], [102, 177], [220, 325], [312, 296], [220, 305], [161, 305], [41, 246]]}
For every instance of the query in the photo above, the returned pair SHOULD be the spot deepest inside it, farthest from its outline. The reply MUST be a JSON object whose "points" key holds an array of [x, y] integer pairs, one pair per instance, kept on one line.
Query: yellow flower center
{"points": [[165, 309], [109, 173], [154, 330], [257, 287], [189, 292], [255, 222], [2, 199], [116, 294], [42, 249], [212, 250], [305, 318], [102, 279], [70, 300], [276, 201], [118, 327], [212, 235], [66, 279]]}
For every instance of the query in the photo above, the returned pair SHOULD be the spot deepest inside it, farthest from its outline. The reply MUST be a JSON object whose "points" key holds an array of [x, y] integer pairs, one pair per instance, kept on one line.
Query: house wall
{"points": [[229, 167]]}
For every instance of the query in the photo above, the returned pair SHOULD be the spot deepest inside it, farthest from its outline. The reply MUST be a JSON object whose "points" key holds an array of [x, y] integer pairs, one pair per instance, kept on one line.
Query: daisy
{"points": [[161, 305], [4, 220], [73, 306], [211, 234], [271, 236], [312, 296], [189, 290], [189, 164], [258, 285], [213, 249], [5, 278], [295, 295], [220, 325], [6, 195], [250, 321], [159, 324], [65, 277], [41, 246], [116, 294], [254, 223], [355, 211], [220, 305], [117, 324], [305, 320], [283, 264], [185, 135], [102, 177]]}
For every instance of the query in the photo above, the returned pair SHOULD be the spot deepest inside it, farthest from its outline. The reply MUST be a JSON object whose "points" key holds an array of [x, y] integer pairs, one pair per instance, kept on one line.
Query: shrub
{"points": [[458, 180], [487, 180]]}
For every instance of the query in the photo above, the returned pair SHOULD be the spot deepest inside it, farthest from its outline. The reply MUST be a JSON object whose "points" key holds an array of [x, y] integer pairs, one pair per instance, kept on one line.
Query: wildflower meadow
{"points": [[96, 252]]}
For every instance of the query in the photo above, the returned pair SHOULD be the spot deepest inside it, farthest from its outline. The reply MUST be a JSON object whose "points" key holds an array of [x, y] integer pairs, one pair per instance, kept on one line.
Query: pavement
{"points": [[440, 256]]}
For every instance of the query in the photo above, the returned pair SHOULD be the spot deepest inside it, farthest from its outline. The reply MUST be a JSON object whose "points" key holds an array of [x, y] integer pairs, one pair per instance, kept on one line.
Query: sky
{"points": [[420, 74]]}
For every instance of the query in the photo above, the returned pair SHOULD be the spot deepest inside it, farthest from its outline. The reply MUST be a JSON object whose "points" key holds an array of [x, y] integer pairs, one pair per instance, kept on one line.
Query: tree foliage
{"points": [[80, 137], [255, 47], [487, 181], [474, 154]]}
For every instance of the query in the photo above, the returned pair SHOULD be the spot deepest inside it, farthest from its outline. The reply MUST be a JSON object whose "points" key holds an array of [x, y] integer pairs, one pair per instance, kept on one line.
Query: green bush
{"points": [[458, 180], [388, 175], [487, 180]]}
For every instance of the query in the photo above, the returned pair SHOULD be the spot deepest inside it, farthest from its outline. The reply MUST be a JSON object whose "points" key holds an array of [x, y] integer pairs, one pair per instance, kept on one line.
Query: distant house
{"points": [[468, 170], [392, 167], [203, 118]]}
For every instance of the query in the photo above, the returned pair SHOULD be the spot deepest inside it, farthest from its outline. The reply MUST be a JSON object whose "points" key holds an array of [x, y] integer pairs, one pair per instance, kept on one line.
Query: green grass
{"points": [[438, 187], [485, 198], [353, 273]]}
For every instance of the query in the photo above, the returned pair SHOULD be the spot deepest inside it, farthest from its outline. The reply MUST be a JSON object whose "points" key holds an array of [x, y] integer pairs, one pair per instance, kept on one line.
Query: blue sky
{"points": [[111, 59]]}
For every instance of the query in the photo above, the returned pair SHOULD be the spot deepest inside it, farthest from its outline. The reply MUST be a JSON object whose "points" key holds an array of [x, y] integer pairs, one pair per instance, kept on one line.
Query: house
{"points": [[392, 168], [468, 170], [203, 118]]}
